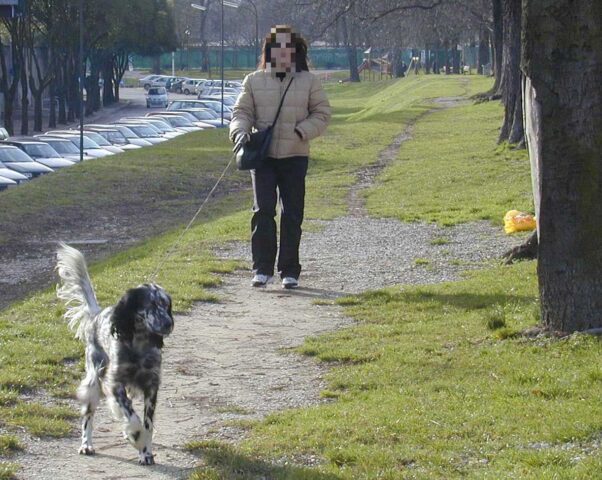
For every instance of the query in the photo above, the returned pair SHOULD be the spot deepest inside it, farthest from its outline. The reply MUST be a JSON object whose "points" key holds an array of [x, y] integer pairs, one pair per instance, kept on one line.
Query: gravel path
{"points": [[225, 361]]}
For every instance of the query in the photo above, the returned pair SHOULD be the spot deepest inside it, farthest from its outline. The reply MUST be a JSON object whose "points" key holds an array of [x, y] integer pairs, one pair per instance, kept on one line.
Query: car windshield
{"points": [[14, 155], [142, 131], [202, 115], [178, 121], [63, 146], [115, 137], [161, 125], [156, 91], [127, 133], [99, 139], [88, 144], [40, 150]]}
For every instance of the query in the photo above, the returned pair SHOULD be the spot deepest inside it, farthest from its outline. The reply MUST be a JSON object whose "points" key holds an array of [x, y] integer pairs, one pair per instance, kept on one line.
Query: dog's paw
{"points": [[134, 433], [146, 458], [86, 449]]}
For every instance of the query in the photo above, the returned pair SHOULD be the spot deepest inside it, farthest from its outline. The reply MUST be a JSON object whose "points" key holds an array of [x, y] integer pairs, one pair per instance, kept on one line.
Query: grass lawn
{"points": [[37, 351]]}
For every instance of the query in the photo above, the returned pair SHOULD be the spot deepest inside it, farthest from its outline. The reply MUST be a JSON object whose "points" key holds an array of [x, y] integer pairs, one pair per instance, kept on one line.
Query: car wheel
{"points": [[186, 92], [146, 86]]}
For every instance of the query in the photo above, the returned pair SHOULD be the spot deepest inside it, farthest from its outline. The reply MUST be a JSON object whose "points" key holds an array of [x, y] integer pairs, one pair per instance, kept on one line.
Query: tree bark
{"points": [[498, 43], [511, 89], [483, 51], [351, 48], [562, 62]]}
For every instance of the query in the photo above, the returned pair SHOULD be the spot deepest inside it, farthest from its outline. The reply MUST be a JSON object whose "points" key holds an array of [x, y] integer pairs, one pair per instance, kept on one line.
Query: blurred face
{"points": [[282, 52]]}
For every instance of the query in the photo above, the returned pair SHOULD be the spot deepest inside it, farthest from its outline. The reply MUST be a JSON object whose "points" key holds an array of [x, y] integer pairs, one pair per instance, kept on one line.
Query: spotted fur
{"points": [[123, 350]]}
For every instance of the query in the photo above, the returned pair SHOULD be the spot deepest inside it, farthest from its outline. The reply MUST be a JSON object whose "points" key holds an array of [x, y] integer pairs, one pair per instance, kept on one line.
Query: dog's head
{"points": [[144, 308]]}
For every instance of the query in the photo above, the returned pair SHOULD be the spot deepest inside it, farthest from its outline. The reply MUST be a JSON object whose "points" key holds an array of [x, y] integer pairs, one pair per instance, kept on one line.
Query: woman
{"points": [[304, 116]]}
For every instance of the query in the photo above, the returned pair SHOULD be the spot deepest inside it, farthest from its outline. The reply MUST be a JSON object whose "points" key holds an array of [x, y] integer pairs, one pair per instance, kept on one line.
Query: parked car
{"points": [[166, 130], [229, 100], [214, 91], [204, 115], [180, 122], [3, 133], [206, 85], [189, 85], [41, 152], [157, 97], [145, 132], [12, 174], [148, 81], [114, 136], [64, 147], [131, 136], [17, 160], [91, 148], [213, 105], [6, 182], [97, 139], [188, 116]]}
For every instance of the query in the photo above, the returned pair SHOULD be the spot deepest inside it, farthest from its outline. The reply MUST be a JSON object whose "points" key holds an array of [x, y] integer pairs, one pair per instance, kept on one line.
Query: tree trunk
{"points": [[24, 96], [512, 128], [483, 51], [52, 113], [562, 62], [498, 43], [349, 40]]}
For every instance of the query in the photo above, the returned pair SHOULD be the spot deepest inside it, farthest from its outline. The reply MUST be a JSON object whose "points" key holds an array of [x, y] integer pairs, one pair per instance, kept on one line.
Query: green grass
{"points": [[427, 390], [9, 444], [8, 471], [454, 172]]}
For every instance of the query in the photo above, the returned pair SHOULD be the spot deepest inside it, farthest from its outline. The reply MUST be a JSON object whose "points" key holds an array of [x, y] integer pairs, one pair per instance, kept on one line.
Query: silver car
{"points": [[157, 97], [17, 160]]}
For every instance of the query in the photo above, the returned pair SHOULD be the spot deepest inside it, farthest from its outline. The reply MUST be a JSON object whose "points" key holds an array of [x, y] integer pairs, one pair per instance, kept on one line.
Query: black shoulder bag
{"points": [[253, 153]]}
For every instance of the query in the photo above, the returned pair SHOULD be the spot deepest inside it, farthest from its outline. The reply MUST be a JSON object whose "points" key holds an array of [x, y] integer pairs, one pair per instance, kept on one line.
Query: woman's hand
{"points": [[239, 140]]}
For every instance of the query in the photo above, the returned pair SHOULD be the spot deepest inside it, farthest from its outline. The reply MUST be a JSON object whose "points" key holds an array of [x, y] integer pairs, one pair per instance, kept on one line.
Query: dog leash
{"points": [[172, 249]]}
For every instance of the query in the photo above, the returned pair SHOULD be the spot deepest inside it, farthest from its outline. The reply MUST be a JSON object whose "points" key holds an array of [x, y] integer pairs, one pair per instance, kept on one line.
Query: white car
{"points": [[131, 136], [91, 148], [188, 116], [41, 152], [148, 81], [6, 182], [145, 132], [164, 128], [12, 174], [157, 97], [17, 160], [178, 121], [114, 136], [63, 147], [98, 139]]}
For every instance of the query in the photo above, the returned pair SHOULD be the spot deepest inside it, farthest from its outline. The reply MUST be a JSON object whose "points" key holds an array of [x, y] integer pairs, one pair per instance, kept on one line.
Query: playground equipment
{"points": [[373, 66]]}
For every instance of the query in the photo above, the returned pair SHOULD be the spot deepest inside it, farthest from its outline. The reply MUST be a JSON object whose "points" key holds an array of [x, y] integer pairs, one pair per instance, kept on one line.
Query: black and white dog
{"points": [[123, 349]]}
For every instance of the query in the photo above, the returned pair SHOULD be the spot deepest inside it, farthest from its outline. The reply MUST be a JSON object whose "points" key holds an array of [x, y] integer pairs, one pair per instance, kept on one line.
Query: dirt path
{"points": [[223, 362]]}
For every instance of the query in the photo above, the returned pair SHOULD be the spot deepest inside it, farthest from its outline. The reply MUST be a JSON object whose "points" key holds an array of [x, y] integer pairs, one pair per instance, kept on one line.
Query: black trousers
{"points": [[288, 176]]}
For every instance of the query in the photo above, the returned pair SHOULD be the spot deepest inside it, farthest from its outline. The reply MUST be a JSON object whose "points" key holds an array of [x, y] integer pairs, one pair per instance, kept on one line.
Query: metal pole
{"points": [[222, 62], [81, 80]]}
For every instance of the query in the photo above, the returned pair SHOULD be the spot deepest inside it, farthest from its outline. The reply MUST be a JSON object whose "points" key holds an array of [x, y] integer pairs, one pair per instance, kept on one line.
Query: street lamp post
{"points": [[227, 4], [256, 30], [82, 73], [233, 5]]}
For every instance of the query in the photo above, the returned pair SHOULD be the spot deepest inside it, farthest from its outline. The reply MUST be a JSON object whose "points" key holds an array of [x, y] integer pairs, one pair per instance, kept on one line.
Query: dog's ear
{"points": [[124, 316]]}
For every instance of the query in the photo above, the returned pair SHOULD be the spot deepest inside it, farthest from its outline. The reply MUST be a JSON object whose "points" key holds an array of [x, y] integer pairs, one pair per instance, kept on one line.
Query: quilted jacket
{"points": [[305, 109]]}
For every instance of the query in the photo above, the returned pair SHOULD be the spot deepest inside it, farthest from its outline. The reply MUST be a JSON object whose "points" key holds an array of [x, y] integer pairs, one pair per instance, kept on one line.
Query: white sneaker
{"points": [[261, 280], [290, 282]]}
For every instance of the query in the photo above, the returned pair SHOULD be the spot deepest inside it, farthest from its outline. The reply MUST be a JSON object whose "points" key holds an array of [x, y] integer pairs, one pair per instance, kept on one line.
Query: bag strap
{"points": [[282, 101]]}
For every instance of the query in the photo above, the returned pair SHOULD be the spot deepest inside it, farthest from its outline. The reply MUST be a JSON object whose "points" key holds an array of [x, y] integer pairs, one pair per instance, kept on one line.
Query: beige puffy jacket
{"points": [[305, 109]]}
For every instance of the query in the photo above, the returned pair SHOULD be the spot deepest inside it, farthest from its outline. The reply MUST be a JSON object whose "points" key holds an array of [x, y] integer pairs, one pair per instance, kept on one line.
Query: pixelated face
{"points": [[282, 49], [155, 310]]}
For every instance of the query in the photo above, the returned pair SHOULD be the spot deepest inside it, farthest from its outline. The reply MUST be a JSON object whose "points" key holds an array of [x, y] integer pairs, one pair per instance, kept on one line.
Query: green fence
{"points": [[244, 58]]}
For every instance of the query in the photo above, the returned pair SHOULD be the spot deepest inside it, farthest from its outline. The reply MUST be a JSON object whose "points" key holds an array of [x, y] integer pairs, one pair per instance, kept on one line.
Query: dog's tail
{"points": [[76, 290]]}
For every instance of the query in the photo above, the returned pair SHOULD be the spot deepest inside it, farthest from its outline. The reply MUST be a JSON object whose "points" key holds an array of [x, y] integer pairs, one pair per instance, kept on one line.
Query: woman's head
{"points": [[284, 51]]}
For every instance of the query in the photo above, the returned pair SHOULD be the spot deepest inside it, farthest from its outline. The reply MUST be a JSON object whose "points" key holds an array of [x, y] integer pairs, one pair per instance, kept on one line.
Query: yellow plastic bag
{"points": [[515, 221]]}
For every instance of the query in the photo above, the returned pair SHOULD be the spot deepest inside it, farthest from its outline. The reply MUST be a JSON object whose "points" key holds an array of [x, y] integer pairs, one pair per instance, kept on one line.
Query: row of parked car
{"points": [[191, 86], [25, 157]]}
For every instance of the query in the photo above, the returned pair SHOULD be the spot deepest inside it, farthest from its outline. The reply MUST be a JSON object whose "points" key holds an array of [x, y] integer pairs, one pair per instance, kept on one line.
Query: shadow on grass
{"points": [[462, 300], [223, 462]]}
